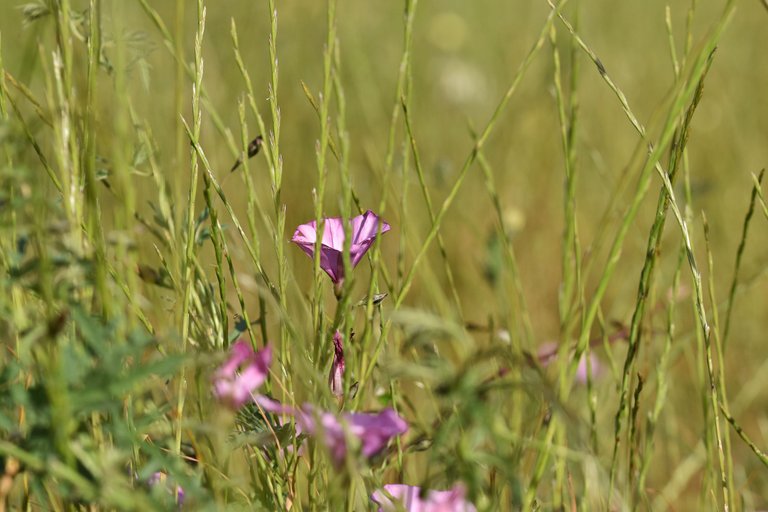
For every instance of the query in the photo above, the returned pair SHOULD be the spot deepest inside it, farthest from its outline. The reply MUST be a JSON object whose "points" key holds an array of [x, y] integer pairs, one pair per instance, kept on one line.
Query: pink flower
{"points": [[581, 370], [374, 431], [365, 227], [409, 499], [236, 388], [548, 352], [336, 377]]}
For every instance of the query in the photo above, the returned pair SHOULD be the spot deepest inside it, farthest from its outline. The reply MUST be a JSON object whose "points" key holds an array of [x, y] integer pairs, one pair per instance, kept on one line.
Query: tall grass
{"points": [[515, 172]]}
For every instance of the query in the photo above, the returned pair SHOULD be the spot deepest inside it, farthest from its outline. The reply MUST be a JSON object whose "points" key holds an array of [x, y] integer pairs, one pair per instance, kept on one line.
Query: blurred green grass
{"points": [[464, 57], [465, 54]]}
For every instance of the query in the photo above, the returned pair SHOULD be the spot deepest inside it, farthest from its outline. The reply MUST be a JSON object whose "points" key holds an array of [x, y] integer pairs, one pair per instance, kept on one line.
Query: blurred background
{"points": [[464, 58], [465, 55]]}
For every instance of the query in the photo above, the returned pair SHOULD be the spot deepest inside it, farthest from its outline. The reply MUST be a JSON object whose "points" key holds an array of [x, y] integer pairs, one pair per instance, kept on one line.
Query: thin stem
{"points": [[187, 274]]}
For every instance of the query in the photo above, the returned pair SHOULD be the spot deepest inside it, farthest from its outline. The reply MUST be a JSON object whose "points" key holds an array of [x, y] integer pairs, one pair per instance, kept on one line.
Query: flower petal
{"points": [[364, 230], [305, 234], [333, 233], [409, 498], [376, 430], [235, 388], [366, 226]]}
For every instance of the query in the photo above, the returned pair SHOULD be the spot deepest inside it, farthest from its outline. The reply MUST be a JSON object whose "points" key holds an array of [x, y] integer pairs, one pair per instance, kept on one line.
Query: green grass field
{"points": [[566, 182]]}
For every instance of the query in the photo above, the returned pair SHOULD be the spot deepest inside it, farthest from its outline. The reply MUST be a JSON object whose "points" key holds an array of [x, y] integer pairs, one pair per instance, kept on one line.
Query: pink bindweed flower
{"points": [[408, 498], [548, 352], [233, 388], [374, 431], [365, 227], [336, 377]]}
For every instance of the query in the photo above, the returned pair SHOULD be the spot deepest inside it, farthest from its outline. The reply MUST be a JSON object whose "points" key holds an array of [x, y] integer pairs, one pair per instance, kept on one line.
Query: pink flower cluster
{"points": [[235, 382]]}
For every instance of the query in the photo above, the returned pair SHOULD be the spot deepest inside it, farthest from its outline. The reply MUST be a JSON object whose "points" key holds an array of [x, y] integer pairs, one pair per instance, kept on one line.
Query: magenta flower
{"points": [[548, 352], [336, 377], [408, 498], [236, 388], [374, 431], [365, 227]]}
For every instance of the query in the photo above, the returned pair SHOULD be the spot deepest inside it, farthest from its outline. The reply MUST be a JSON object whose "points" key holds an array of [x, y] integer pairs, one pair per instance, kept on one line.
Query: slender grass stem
{"points": [[190, 241], [428, 202], [739, 255], [321, 152], [93, 214], [652, 254], [276, 174], [719, 394], [570, 249], [761, 455]]}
